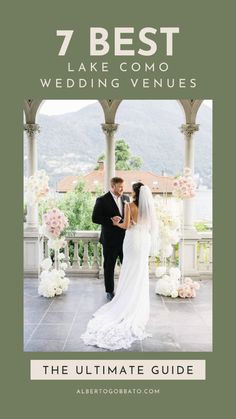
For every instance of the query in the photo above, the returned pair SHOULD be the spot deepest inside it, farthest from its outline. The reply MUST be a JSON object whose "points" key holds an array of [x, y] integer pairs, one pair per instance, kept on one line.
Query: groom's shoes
{"points": [[110, 295]]}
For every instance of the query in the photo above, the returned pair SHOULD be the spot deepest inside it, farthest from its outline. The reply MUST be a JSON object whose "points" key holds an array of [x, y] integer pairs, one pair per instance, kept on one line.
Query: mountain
{"points": [[71, 143]]}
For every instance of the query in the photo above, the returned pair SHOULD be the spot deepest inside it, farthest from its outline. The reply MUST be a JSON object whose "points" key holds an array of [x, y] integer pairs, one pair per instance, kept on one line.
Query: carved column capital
{"points": [[189, 129], [31, 129], [109, 129]]}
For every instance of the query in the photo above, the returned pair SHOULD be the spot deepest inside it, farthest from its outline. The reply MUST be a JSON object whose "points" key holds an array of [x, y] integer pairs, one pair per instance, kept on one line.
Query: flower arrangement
{"points": [[169, 226], [174, 284], [53, 281], [170, 286], [54, 222], [36, 187], [188, 288], [184, 186], [57, 244]]}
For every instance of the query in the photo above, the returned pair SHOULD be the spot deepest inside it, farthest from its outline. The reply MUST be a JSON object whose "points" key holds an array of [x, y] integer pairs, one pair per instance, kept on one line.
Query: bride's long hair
{"points": [[136, 188]]}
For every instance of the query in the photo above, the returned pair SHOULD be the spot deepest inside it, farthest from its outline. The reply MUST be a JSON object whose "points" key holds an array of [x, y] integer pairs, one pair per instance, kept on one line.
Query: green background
{"points": [[204, 50]]}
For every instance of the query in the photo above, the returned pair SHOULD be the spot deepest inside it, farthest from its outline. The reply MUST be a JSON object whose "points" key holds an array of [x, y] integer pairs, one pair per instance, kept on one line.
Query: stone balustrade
{"points": [[84, 255], [204, 254]]}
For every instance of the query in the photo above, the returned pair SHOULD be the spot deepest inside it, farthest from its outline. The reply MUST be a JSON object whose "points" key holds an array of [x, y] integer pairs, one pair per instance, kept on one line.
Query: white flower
{"points": [[50, 241], [46, 264], [161, 270], [167, 286], [36, 187], [52, 283], [46, 288], [162, 286], [58, 291], [63, 265], [61, 273], [175, 273], [56, 274]]}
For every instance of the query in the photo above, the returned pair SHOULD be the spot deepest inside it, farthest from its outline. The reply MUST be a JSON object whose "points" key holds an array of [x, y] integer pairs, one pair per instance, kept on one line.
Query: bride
{"points": [[120, 322]]}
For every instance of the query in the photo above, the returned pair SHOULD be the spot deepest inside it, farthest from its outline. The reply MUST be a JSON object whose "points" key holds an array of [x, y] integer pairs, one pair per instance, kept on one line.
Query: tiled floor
{"points": [[55, 325]]}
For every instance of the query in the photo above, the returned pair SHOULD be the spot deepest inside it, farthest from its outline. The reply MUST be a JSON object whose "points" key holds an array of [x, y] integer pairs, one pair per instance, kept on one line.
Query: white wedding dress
{"points": [[118, 323]]}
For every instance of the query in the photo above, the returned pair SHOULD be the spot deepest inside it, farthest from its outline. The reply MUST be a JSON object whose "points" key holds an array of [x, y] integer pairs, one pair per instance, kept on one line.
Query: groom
{"points": [[107, 208]]}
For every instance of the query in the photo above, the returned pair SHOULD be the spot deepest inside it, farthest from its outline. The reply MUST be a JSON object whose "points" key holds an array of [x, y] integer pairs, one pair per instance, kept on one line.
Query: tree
{"points": [[78, 207], [136, 162], [124, 159]]}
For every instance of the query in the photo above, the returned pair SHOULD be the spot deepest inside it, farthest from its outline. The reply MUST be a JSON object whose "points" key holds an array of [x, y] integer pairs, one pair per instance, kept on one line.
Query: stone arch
{"points": [[31, 108], [190, 108]]}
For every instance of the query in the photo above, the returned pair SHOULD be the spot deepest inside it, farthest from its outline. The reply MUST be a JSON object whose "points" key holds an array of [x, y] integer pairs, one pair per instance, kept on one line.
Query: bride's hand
{"points": [[116, 220]]}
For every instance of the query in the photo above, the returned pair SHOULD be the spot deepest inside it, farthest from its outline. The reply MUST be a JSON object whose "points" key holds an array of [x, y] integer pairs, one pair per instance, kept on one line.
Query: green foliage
{"points": [[122, 155], [124, 159], [136, 162], [203, 226], [78, 206]]}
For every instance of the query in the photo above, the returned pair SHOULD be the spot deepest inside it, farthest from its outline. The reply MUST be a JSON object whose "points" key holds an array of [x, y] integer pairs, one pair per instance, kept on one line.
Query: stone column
{"points": [[32, 210], [188, 246], [109, 131], [188, 130], [33, 242]]}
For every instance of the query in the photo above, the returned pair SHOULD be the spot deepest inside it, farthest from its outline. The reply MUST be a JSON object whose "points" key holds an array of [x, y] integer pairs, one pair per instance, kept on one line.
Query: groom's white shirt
{"points": [[118, 202]]}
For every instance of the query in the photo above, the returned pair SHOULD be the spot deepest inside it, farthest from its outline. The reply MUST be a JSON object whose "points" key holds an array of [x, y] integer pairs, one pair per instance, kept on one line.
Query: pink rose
{"points": [[188, 280], [182, 293], [57, 232]]}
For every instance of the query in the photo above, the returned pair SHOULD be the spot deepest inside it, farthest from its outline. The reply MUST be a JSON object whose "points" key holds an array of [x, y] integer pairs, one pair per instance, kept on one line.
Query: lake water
{"points": [[203, 205]]}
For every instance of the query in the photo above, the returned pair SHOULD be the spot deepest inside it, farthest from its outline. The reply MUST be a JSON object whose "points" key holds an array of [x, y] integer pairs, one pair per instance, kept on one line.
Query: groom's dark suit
{"points": [[111, 236]]}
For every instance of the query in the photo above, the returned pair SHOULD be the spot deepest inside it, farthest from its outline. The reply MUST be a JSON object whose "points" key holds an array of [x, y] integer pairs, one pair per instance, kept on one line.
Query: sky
{"points": [[58, 107]]}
